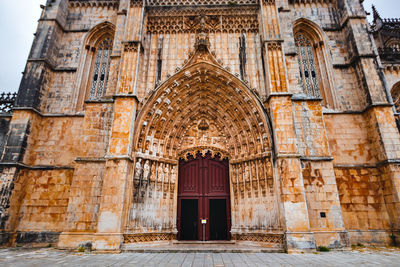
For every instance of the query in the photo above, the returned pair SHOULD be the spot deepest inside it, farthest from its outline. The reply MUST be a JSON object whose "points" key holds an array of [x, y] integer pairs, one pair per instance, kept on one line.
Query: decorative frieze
{"points": [[192, 20], [94, 3], [200, 2], [148, 237], [275, 239]]}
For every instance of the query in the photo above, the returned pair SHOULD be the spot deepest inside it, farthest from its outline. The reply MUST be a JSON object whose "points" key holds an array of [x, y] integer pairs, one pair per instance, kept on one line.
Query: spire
{"points": [[376, 14]]}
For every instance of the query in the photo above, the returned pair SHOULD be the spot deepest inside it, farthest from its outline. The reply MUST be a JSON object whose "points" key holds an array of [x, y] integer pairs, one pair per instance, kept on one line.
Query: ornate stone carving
{"points": [[94, 3], [152, 208], [202, 91], [199, 2], [148, 237], [275, 239], [203, 150], [254, 196], [191, 21]]}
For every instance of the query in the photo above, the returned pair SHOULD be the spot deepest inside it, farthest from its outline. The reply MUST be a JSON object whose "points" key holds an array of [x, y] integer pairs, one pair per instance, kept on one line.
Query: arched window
{"points": [[393, 44], [315, 67], [92, 82], [309, 77], [395, 92], [100, 69]]}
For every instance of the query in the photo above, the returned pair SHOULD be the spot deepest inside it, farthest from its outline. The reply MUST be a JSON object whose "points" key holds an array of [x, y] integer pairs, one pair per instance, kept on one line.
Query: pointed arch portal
{"points": [[203, 114]]}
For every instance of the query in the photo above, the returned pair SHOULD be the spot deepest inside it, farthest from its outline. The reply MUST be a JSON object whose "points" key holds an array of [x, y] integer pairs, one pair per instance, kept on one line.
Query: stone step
{"points": [[200, 247]]}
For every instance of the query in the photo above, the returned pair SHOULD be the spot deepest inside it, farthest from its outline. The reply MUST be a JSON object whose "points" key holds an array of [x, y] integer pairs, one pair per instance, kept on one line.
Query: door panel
{"points": [[206, 180], [189, 219], [218, 219]]}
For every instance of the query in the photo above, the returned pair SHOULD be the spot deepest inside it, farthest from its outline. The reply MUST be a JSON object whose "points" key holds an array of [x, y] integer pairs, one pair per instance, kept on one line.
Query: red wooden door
{"points": [[203, 186]]}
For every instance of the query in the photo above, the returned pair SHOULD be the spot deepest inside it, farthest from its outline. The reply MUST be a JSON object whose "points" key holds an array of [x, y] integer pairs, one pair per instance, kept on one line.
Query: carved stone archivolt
{"points": [[202, 90], [203, 109]]}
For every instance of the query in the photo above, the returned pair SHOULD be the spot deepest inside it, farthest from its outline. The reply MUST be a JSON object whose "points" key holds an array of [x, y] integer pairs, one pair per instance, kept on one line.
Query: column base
{"points": [[72, 240], [108, 241], [332, 239], [300, 242]]}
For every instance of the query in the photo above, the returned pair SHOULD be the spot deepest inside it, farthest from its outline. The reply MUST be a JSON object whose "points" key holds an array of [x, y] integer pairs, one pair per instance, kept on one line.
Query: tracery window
{"points": [[396, 96], [101, 69], [395, 92], [308, 80]]}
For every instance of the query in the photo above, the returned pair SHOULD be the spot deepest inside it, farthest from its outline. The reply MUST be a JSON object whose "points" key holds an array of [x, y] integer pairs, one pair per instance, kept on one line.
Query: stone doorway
{"points": [[204, 199]]}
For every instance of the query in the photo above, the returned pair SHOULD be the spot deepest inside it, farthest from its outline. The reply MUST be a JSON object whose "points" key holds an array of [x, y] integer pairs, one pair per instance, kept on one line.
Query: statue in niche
{"points": [[160, 173], [269, 168], [234, 175], [173, 175], [253, 171], [166, 174], [146, 170], [261, 170], [240, 173], [254, 178], [153, 172], [247, 172], [137, 179], [138, 170]]}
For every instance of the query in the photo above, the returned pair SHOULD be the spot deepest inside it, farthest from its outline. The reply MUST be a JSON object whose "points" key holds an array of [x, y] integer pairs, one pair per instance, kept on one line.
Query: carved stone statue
{"points": [[253, 171], [153, 172], [146, 170], [269, 168], [166, 174], [173, 175], [138, 170], [160, 173], [261, 170], [247, 172]]}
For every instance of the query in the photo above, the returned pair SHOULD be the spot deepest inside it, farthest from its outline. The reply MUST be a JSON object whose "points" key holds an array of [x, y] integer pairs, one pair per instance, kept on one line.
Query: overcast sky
{"points": [[18, 22]]}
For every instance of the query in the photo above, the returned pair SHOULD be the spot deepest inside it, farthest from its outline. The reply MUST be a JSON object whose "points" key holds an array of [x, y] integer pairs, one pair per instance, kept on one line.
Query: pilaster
{"points": [[118, 174]]}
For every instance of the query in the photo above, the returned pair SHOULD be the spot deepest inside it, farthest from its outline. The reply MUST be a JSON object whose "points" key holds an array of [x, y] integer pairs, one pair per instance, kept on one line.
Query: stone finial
{"points": [[376, 14]]}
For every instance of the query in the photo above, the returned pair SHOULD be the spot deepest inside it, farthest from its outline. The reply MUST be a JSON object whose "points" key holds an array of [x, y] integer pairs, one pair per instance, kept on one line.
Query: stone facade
{"points": [[295, 94]]}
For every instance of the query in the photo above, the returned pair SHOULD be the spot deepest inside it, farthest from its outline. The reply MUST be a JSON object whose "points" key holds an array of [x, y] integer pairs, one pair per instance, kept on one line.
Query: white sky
{"points": [[18, 22]]}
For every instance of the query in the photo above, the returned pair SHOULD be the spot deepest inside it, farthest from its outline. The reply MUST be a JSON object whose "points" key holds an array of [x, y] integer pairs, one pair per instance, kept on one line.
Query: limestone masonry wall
{"points": [[296, 94]]}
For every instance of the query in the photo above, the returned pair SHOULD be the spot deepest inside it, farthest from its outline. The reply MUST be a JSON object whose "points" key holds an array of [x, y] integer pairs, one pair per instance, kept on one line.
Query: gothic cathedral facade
{"points": [[266, 121]]}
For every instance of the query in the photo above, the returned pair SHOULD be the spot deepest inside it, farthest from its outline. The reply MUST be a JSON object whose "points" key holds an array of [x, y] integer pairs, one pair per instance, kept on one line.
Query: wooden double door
{"points": [[203, 199]]}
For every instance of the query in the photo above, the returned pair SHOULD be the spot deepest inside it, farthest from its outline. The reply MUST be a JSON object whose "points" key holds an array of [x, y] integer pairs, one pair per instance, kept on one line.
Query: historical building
{"points": [[266, 121]]}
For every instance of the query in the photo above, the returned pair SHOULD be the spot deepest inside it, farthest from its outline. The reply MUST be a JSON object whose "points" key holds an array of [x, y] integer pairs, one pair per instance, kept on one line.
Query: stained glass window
{"points": [[101, 69], [308, 72]]}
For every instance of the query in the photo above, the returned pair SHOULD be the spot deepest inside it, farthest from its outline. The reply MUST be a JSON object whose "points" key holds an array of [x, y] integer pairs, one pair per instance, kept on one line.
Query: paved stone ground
{"points": [[52, 257]]}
